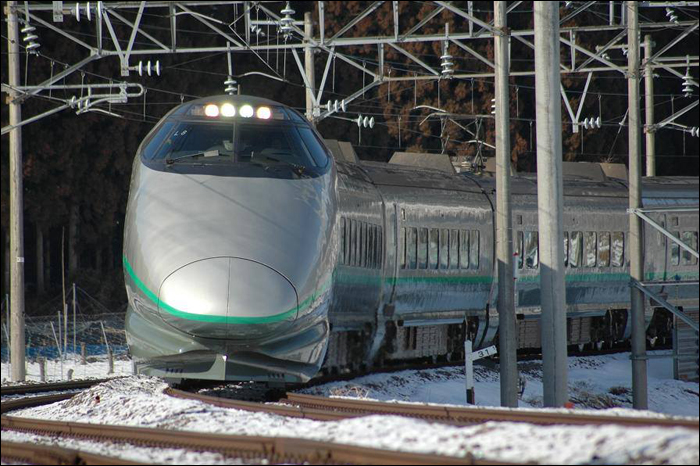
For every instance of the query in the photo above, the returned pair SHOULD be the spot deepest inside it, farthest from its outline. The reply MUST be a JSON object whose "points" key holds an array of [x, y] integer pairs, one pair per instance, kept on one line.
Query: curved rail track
{"points": [[251, 448], [49, 387]]}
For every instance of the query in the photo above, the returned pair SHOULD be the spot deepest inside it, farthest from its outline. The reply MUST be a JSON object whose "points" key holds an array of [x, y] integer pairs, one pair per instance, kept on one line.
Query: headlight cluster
{"points": [[229, 110]]}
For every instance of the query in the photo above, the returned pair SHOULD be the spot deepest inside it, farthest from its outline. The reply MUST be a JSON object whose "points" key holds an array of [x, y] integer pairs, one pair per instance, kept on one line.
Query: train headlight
{"points": [[246, 111], [264, 113], [211, 110], [228, 110]]}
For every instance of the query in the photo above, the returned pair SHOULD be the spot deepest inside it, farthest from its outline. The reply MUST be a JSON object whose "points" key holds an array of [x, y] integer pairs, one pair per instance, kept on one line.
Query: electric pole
{"points": [[508, 338], [309, 65], [16, 213], [649, 107], [639, 363], [550, 203]]}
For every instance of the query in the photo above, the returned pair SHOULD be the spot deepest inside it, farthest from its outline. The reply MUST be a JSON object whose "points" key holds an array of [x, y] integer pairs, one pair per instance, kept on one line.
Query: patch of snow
{"points": [[57, 370], [140, 401], [596, 382]]}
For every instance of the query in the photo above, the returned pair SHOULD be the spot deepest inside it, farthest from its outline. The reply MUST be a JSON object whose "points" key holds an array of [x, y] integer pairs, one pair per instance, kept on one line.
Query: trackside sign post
{"points": [[469, 358]]}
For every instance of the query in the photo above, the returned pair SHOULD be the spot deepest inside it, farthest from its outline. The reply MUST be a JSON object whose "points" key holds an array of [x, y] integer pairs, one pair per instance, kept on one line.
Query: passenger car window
{"points": [[454, 249], [402, 248], [353, 242], [691, 239], [463, 249], [532, 253], [590, 248], [618, 249], [675, 250], [343, 248], [576, 249], [566, 248], [519, 249], [604, 249], [444, 248], [423, 248], [412, 247], [434, 244], [474, 249]]}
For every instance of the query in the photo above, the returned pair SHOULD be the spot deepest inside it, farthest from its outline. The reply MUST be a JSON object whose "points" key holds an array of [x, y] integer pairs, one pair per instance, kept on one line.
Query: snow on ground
{"points": [[140, 401], [57, 370], [595, 382]]}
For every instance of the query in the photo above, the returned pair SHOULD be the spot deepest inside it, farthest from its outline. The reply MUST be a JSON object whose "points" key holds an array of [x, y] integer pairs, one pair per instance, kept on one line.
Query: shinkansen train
{"points": [[252, 254]]}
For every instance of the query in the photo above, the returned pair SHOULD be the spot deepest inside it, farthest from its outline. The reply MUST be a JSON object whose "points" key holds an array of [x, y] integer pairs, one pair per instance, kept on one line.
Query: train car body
{"points": [[250, 254]]}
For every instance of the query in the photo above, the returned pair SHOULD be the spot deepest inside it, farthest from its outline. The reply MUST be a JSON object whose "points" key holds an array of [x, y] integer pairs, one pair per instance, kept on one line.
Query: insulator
{"points": [[27, 29], [365, 122], [359, 121], [371, 122], [230, 84], [670, 14], [257, 30], [695, 131], [493, 106]]}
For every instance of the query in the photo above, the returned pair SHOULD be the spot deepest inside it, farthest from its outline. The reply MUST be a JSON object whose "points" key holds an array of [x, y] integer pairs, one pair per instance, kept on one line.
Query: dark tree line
{"points": [[77, 167]]}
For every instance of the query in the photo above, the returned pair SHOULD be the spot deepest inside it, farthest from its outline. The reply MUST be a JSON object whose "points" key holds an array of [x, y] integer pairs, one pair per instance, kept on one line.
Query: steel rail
{"points": [[50, 387], [44, 454], [273, 449], [465, 416]]}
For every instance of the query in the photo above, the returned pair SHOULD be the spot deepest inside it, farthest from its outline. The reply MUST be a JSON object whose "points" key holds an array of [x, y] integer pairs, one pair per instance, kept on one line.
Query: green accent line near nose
{"points": [[204, 318]]}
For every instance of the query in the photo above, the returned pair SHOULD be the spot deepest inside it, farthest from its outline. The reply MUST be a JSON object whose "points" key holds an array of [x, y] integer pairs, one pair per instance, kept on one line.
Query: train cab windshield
{"points": [[273, 143]]}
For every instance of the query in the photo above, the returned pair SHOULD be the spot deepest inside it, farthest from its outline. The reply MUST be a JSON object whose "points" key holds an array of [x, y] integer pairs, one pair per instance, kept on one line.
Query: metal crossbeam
{"points": [[670, 307], [640, 213]]}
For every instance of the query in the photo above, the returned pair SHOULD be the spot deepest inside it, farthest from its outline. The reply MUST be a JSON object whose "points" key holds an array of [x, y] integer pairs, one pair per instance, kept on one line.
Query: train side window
{"points": [[590, 248], [532, 251], [353, 242], [519, 249], [362, 239], [372, 245], [675, 250], [566, 248], [444, 248], [454, 249], [604, 249], [474, 249], [434, 243], [412, 247], [342, 241], [463, 249], [618, 249], [690, 238], [423, 248], [402, 248], [380, 247], [576, 250]]}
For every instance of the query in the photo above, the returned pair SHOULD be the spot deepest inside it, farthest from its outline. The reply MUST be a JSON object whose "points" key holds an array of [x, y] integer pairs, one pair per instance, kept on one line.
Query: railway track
{"points": [[49, 387], [41, 454], [332, 409], [249, 448]]}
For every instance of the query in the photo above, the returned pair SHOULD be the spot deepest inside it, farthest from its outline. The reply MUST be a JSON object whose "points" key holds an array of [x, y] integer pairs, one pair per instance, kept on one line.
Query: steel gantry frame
{"points": [[122, 30]]}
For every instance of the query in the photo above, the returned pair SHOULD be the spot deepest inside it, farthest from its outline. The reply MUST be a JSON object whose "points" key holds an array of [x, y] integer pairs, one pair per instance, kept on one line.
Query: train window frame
{"points": [[474, 249], [454, 249], [576, 250], [566, 249], [604, 249], [423, 248], [532, 249], [617, 249], [380, 247], [444, 248], [463, 249], [353, 243], [412, 247], [590, 249], [689, 238], [434, 248], [320, 157]]}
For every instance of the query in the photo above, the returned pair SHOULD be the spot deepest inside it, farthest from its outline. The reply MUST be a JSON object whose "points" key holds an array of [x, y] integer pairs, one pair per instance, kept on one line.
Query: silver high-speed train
{"points": [[251, 254]]}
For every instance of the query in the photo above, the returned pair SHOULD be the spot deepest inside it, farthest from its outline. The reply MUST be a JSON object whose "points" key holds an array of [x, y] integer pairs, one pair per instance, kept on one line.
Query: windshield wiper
{"points": [[206, 153], [298, 169]]}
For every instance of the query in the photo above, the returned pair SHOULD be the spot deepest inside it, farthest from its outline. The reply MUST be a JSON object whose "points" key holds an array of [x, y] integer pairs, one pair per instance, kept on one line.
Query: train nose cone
{"points": [[227, 297]]}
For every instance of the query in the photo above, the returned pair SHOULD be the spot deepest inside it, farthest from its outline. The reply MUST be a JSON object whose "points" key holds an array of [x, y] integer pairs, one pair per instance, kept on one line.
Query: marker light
{"points": [[228, 110], [211, 110], [264, 113], [246, 111]]}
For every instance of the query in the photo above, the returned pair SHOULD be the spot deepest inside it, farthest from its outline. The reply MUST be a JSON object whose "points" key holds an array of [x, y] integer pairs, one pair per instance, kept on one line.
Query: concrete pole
{"points": [[649, 107], [636, 240], [16, 213], [508, 339], [550, 203], [309, 65]]}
